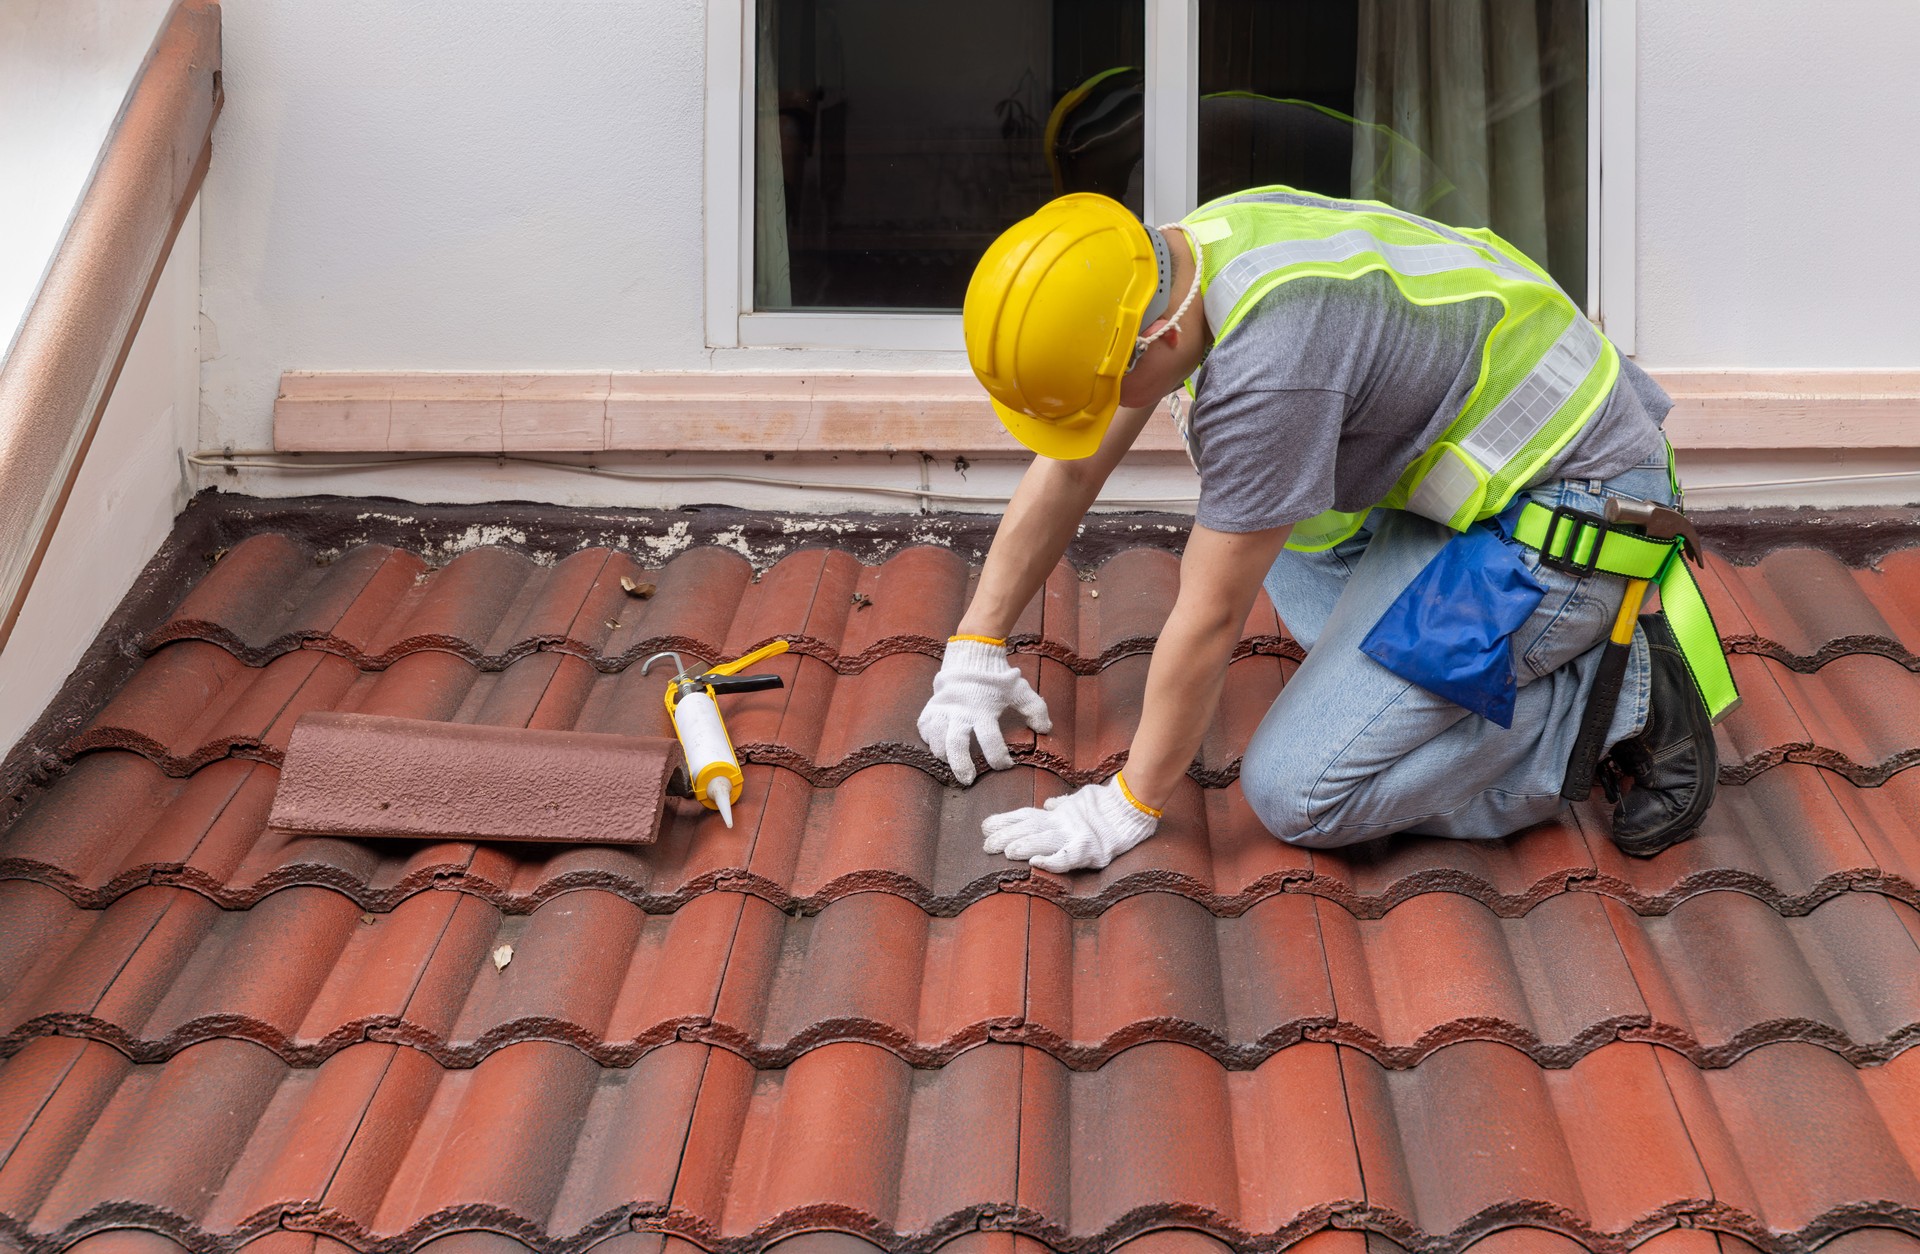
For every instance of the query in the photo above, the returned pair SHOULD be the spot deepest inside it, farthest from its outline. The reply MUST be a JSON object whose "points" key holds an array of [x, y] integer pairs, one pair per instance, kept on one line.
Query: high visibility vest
{"points": [[1544, 370]]}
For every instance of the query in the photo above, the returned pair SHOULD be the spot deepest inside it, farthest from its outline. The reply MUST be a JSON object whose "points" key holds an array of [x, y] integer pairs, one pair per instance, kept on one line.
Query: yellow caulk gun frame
{"points": [[713, 771]]}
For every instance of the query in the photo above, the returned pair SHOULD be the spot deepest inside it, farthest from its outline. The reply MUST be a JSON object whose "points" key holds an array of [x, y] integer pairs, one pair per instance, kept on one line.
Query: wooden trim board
{"points": [[643, 413], [1793, 409], [665, 412]]}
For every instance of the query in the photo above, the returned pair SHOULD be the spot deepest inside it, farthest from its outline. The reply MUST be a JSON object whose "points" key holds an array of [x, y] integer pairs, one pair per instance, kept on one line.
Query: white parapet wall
{"points": [[64, 70], [132, 484]]}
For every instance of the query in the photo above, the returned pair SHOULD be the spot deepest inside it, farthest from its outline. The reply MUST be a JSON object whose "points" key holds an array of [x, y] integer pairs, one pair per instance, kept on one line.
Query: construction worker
{"points": [[1409, 434]]}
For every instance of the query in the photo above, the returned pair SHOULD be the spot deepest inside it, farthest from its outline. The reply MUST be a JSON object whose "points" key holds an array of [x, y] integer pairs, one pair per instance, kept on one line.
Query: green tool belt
{"points": [[1585, 544]]}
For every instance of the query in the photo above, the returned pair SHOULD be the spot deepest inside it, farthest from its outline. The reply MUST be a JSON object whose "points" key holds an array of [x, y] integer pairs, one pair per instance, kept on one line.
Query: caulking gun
{"points": [[711, 767]]}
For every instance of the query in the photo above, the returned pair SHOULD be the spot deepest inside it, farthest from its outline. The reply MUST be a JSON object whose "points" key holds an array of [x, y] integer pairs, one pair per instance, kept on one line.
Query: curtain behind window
{"points": [[772, 264], [1492, 93]]}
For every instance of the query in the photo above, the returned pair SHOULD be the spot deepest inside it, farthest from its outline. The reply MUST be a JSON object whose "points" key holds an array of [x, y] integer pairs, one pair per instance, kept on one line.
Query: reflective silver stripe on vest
{"points": [[1353, 206], [1239, 276], [1529, 407], [1447, 485], [1517, 419], [1513, 422]]}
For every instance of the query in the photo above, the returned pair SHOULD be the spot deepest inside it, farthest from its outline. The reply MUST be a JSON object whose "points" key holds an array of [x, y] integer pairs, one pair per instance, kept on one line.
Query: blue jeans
{"points": [[1350, 751]]}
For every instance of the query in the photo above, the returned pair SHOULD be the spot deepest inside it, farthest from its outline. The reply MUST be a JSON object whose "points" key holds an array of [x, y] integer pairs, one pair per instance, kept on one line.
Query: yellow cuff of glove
{"points": [[1132, 800]]}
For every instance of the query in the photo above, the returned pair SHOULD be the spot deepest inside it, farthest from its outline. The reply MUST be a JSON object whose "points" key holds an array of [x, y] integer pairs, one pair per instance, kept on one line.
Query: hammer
{"points": [[1658, 523]]}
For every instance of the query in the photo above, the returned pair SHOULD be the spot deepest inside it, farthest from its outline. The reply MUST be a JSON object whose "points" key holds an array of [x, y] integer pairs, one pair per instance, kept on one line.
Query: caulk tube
{"points": [[710, 761]]}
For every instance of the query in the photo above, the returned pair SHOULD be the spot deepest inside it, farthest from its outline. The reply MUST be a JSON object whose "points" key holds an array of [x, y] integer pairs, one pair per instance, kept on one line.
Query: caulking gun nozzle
{"points": [[720, 792]]}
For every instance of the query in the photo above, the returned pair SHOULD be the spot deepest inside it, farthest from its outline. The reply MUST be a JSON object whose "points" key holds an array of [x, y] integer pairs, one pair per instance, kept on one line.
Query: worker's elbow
{"points": [[1206, 610], [1079, 479]]}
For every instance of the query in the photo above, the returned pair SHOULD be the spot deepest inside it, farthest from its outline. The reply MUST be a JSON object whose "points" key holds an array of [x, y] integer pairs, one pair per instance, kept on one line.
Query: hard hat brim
{"points": [[1062, 442]]}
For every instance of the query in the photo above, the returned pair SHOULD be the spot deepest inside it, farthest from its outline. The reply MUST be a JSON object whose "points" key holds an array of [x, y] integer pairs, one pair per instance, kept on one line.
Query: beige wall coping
{"points": [[667, 412]]}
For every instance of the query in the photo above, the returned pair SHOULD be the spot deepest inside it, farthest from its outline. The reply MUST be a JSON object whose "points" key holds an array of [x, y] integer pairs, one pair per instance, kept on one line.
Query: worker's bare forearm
{"points": [[1220, 576], [1040, 522], [1184, 682]]}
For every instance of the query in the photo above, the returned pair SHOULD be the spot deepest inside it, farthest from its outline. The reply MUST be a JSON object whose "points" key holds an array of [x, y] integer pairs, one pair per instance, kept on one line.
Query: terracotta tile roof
{"points": [[840, 1025]]}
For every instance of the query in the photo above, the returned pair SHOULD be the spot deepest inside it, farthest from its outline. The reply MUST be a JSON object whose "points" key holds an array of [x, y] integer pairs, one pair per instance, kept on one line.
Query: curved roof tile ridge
{"points": [[843, 1016]]}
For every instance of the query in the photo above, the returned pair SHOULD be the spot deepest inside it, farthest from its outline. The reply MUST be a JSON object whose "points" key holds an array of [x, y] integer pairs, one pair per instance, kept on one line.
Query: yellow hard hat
{"points": [[1051, 315]]}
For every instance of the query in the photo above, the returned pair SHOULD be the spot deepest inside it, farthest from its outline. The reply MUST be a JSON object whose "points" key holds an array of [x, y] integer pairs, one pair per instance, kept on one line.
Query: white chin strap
{"points": [[1143, 342]]}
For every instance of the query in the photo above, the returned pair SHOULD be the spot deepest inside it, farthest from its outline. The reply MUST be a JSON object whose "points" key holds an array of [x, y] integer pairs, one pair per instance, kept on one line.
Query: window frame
{"points": [[1170, 182]]}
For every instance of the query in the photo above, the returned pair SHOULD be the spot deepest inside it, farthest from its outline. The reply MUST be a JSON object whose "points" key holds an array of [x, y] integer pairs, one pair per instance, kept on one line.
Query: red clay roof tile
{"points": [[1814, 608], [1735, 974], [1785, 837], [843, 1025], [1860, 716], [1477, 1134], [873, 967], [1162, 1133], [306, 974], [1884, 819], [1442, 968], [916, 596], [1855, 1241], [1789, 1128], [1782, 838], [269, 596], [1519, 1240], [375, 605], [1161, 967]]}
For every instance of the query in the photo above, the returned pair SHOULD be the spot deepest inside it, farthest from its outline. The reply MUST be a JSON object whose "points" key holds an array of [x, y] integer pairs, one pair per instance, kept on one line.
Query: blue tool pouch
{"points": [[1450, 630]]}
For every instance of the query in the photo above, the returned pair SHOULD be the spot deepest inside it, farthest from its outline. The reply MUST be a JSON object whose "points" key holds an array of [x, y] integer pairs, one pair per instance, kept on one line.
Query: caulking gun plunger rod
{"points": [[712, 768]]}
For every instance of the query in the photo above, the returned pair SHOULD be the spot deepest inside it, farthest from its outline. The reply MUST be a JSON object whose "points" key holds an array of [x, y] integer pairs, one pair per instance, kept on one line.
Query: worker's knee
{"points": [[1287, 781]]}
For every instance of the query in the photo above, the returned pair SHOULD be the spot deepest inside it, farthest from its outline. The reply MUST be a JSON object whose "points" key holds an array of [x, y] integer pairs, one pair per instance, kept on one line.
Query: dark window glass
{"points": [[1472, 113], [896, 138]]}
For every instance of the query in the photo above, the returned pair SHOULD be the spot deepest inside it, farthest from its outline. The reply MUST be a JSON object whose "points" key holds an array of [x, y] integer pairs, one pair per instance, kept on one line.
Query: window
{"points": [[895, 138], [1477, 121], [886, 142]]}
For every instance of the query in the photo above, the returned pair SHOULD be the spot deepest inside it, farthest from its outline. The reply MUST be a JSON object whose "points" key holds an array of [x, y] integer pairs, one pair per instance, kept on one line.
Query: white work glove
{"points": [[1082, 830], [977, 684]]}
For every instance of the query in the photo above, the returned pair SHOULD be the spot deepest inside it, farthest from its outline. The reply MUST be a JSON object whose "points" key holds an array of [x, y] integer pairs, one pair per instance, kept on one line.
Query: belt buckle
{"points": [[1576, 520]]}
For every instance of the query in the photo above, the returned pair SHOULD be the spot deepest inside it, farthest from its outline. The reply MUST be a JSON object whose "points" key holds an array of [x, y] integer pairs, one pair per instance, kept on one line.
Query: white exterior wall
{"points": [[489, 184], [461, 184], [1779, 168], [131, 485]]}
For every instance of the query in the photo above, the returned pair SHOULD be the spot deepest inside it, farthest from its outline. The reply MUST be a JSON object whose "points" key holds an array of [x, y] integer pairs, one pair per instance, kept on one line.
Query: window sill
{"points": [[911, 332]]}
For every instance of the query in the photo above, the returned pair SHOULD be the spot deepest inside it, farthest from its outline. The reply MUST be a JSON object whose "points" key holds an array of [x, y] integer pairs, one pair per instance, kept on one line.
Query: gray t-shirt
{"points": [[1329, 388]]}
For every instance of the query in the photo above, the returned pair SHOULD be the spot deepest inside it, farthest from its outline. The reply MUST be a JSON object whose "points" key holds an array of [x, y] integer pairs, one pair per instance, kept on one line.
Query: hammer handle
{"points": [[1601, 703]]}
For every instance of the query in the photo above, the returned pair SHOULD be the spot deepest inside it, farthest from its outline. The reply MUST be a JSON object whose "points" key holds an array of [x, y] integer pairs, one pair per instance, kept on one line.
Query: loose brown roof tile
{"points": [[842, 1027], [368, 776]]}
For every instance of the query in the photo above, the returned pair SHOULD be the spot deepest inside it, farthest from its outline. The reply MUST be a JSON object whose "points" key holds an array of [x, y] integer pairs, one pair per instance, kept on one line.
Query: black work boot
{"points": [[1673, 761]]}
